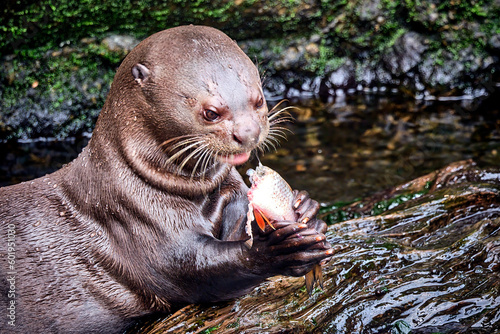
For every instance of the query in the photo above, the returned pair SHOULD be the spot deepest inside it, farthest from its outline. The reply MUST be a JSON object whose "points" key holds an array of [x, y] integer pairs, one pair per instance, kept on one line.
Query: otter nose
{"points": [[247, 134]]}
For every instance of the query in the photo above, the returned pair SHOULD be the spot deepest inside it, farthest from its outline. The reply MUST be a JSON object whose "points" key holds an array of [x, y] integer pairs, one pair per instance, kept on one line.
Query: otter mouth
{"points": [[235, 159]]}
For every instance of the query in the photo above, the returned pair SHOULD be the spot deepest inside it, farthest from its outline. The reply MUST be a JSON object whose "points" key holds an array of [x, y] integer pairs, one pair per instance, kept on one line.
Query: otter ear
{"points": [[140, 73]]}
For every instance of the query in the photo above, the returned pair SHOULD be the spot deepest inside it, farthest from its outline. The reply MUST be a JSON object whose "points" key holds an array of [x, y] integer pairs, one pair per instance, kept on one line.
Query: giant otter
{"points": [[151, 215]]}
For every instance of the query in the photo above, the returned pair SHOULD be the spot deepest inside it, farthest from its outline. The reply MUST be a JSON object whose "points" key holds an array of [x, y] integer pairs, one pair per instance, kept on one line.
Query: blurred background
{"points": [[387, 91]]}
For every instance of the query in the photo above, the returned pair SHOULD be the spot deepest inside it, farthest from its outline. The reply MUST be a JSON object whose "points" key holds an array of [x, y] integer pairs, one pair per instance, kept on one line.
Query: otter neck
{"points": [[154, 169], [138, 151]]}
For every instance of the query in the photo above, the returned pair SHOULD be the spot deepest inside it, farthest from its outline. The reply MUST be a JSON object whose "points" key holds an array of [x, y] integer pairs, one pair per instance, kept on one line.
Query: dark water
{"points": [[348, 149], [339, 150], [25, 161]]}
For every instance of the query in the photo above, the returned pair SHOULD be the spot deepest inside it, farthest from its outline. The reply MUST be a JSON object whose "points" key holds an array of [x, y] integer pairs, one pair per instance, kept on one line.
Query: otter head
{"points": [[194, 107]]}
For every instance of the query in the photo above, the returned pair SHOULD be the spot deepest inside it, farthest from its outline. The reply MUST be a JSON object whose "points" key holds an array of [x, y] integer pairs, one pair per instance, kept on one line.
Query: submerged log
{"points": [[429, 263]]}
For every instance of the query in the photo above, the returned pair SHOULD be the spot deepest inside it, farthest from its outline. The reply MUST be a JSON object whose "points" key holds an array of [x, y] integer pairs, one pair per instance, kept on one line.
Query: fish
{"points": [[271, 199]]}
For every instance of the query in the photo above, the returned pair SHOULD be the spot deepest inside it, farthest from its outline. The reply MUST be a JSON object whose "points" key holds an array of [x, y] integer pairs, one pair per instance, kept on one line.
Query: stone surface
{"points": [[120, 43], [406, 53]]}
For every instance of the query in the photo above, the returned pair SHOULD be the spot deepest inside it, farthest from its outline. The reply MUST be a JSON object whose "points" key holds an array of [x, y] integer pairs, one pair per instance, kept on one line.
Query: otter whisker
{"points": [[201, 160], [184, 142], [260, 149], [180, 152], [282, 120], [281, 129], [263, 147], [202, 155], [277, 105], [278, 133], [206, 161], [186, 159], [177, 138], [282, 113], [274, 148], [275, 139], [271, 139]]}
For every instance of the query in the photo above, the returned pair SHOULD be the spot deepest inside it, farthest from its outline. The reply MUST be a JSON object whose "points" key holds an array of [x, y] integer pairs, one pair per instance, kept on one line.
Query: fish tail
{"points": [[314, 276]]}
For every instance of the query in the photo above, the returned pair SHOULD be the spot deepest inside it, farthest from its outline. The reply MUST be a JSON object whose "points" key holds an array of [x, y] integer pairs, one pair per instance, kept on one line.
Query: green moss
{"points": [[235, 324], [391, 203], [211, 329], [326, 60], [389, 246], [53, 21], [401, 327], [342, 211], [337, 213], [77, 83]]}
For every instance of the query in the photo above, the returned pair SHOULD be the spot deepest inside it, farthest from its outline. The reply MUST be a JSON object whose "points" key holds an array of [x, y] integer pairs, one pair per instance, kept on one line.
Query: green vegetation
{"points": [[37, 71], [234, 324], [51, 22], [76, 82], [211, 329], [337, 212], [401, 327], [342, 211]]}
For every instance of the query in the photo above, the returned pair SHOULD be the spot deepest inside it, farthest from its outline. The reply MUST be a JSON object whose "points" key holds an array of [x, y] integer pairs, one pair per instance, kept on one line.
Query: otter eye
{"points": [[210, 115], [260, 103]]}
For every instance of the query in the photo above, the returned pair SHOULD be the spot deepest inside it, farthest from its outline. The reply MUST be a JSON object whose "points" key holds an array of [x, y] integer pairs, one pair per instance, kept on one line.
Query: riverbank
{"points": [[55, 77]]}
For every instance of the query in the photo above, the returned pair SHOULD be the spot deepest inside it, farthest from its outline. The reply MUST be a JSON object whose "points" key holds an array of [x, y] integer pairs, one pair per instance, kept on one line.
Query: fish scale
{"points": [[271, 198], [270, 194]]}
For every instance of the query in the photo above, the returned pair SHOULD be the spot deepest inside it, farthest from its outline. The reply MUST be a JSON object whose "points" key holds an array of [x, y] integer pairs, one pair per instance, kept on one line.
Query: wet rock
{"points": [[290, 58], [344, 76], [369, 10], [120, 43], [494, 42], [311, 87], [275, 88], [452, 69], [405, 54], [428, 264]]}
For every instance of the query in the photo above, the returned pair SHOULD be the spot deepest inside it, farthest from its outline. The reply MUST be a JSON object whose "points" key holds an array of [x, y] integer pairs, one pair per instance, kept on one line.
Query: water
{"points": [[28, 160], [340, 150], [365, 144]]}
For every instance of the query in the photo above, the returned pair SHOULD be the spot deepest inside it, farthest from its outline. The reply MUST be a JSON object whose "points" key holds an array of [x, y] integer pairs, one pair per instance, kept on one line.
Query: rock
{"points": [[312, 49], [369, 10], [406, 53], [120, 43], [428, 262], [452, 70], [343, 77], [88, 40], [290, 58], [275, 88], [494, 42]]}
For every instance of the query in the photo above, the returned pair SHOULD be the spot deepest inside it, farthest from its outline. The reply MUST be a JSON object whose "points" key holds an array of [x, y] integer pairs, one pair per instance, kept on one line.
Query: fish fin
{"points": [[318, 275], [261, 219], [310, 282]]}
